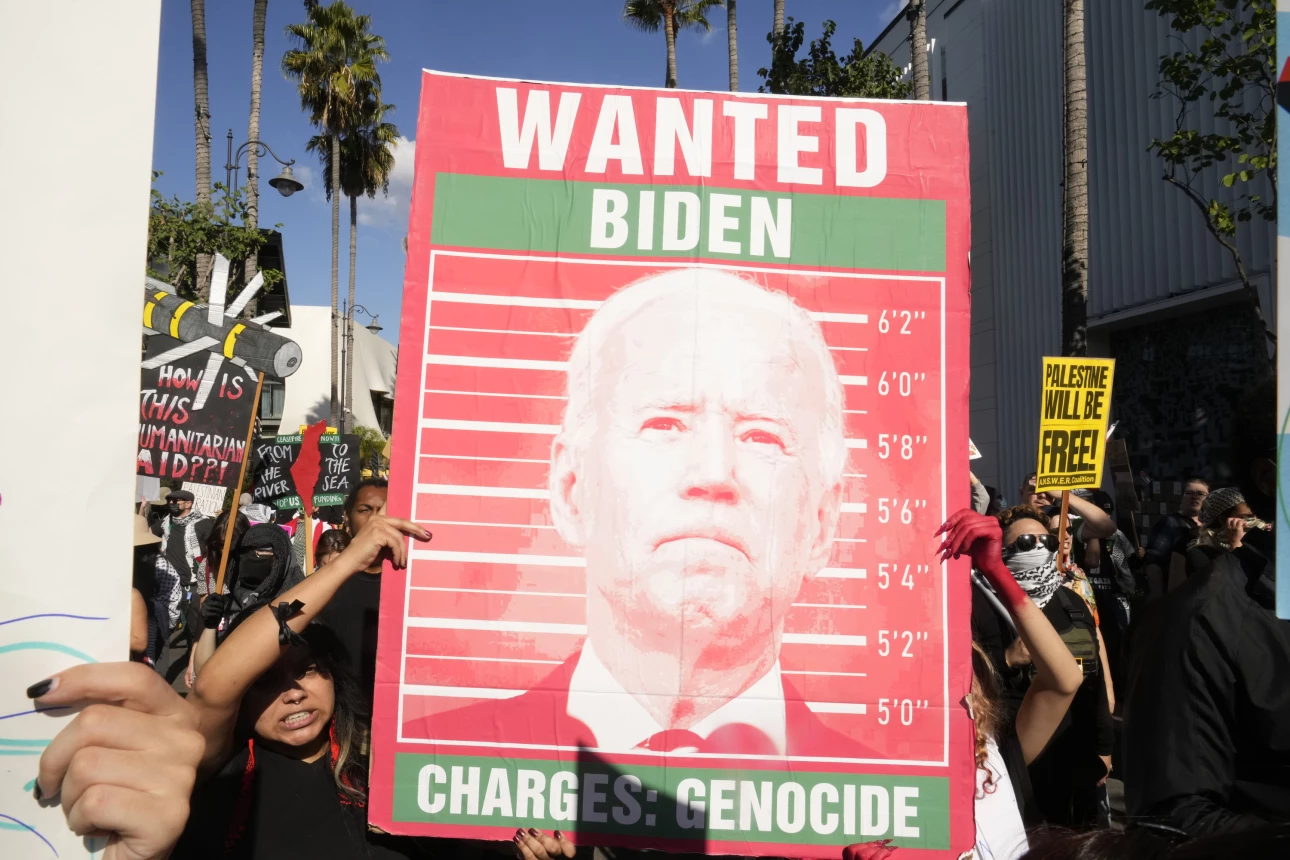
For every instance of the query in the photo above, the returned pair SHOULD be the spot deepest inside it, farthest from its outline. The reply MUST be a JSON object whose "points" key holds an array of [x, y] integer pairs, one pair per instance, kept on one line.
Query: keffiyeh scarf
{"points": [[171, 582], [1036, 573]]}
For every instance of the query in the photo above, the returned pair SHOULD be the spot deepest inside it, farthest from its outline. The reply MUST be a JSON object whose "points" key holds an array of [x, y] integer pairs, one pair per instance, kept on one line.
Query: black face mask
{"points": [[252, 570], [175, 510]]}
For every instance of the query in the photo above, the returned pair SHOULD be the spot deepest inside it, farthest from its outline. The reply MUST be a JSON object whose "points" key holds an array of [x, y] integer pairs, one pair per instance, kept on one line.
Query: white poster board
{"points": [[208, 500], [74, 230]]}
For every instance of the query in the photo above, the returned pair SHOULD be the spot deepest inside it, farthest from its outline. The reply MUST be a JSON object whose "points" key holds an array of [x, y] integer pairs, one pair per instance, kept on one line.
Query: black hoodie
{"points": [[285, 575]]}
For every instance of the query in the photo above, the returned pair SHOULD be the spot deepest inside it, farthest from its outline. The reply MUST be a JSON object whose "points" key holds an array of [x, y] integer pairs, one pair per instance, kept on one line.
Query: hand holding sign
{"points": [[533, 844], [126, 765]]}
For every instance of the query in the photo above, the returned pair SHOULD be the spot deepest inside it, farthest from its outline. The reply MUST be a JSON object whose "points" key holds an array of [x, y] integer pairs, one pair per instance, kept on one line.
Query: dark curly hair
{"points": [[348, 734], [1016, 513]]}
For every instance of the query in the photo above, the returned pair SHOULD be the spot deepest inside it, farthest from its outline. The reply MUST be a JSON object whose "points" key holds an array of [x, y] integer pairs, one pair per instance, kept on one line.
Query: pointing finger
{"points": [[410, 528], [132, 685]]}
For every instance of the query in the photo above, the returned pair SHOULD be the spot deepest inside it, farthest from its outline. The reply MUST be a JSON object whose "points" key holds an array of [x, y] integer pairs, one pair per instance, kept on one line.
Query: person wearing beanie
{"points": [[1225, 520], [1205, 741]]}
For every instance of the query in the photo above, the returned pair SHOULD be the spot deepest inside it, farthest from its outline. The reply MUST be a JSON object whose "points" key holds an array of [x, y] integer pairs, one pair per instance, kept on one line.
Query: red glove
{"points": [[981, 538], [868, 851]]}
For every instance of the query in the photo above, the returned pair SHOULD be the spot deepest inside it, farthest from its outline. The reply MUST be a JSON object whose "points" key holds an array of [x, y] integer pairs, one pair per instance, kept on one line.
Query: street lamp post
{"points": [[347, 410], [285, 182]]}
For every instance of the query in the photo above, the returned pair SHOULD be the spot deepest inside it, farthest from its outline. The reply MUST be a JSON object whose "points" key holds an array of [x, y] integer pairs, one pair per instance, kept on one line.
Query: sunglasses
{"points": [[1027, 542]]}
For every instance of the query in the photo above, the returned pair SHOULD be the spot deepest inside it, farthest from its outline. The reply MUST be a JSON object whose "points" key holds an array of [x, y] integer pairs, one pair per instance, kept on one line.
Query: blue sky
{"points": [[580, 41]]}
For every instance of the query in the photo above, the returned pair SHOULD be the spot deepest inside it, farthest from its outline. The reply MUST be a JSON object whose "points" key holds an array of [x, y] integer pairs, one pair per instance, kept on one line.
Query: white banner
{"points": [[208, 499]]}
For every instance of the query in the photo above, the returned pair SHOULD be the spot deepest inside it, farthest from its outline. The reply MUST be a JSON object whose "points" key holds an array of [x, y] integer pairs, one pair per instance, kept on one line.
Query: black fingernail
{"points": [[36, 791], [35, 691], [557, 835], [533, 832]]}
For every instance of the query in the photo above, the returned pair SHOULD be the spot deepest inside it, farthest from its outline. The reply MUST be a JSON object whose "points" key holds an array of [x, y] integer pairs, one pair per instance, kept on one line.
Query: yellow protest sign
{"points": [[1072, 426]]}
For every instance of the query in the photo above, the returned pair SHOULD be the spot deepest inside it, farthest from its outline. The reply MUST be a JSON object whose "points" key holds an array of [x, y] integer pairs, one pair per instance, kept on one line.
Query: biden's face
{"points": [[699, 494]]}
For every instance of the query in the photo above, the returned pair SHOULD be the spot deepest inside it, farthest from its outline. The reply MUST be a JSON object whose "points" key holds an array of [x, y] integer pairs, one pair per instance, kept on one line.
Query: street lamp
{"points": [[347, 409], [285, 182]]}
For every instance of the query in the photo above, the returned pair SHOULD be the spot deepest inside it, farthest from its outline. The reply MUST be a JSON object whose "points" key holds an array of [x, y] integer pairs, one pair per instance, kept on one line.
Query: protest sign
{"points": [[208, 500], [275, 485], [146, 488], [1072, 427], [70, 348], [178, 442], [679, 376]]}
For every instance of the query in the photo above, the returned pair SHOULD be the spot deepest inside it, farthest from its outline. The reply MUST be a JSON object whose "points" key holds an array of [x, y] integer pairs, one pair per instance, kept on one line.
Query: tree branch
{"points": [[1203, 206]]}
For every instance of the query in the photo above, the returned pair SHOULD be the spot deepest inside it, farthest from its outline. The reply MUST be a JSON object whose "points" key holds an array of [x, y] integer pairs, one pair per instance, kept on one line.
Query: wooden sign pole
{"points": [[309, 542], [241, 478], [1063, 564]]}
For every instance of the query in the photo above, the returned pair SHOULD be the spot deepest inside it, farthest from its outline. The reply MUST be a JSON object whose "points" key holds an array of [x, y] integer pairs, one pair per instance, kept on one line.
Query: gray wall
{"points": [[1148, 245]]}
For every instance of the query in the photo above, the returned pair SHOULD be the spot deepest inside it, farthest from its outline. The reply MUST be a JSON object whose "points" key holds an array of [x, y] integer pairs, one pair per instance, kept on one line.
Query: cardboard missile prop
{"points": [[216, 328]]}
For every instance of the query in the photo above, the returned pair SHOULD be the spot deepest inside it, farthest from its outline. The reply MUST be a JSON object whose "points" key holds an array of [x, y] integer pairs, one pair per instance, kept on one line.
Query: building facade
{"points": [[1164, 297], [305, 397]]}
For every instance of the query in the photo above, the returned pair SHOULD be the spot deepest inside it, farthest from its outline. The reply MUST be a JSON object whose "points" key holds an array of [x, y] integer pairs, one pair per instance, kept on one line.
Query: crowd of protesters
{"points": [[1161, 665]]}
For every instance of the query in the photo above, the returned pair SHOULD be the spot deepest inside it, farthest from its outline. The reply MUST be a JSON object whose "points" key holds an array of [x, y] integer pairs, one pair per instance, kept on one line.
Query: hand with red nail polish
{"points": [[533, 844], [869, 851], [981, 538]]}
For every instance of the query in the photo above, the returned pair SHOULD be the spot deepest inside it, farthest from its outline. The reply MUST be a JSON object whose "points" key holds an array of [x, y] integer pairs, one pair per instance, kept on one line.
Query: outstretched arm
{"points": [[1097, 524], [1057, 675], [253, 647]]}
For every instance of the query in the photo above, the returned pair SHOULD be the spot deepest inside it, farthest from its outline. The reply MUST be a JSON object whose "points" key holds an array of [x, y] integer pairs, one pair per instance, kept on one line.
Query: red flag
{"points": [[305, 470]]}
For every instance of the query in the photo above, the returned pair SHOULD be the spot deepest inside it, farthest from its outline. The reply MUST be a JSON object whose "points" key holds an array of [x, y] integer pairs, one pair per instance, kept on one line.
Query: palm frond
{"points": [[694, 14], [334, 63], [644, 15]]}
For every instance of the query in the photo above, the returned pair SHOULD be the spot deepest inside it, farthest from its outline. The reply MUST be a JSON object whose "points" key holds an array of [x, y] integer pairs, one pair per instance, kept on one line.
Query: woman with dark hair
{"points": [[330, 545], [1067, 776], [285, 725], [1006, 743], [300, 739]]}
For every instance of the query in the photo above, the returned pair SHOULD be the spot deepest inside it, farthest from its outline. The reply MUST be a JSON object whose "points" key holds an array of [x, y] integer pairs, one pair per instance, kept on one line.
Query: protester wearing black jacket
{"points": [[1207, 716]]}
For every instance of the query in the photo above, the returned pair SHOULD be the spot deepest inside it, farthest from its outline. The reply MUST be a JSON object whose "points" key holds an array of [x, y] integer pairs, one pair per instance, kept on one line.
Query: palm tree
{"points": [[917, 14], [202, 130], [1075, 188], [779, 18], [366, 161], [673, 16], [253, 126], [336, 57], [732, 45]]}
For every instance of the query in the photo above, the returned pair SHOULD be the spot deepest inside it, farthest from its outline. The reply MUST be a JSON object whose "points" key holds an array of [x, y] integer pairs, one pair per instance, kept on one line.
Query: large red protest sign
{"points": [[683, 397]]}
